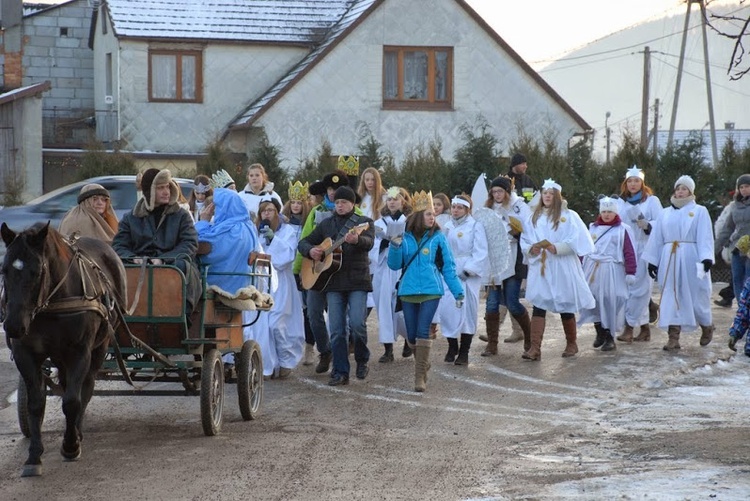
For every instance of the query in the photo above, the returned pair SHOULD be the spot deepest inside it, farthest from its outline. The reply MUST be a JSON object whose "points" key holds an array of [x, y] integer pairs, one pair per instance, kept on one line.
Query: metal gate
{"points": [[7, 155]]}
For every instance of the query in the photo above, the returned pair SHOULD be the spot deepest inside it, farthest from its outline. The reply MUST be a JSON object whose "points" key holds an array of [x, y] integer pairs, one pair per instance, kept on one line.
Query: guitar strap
{"points": [[353, 221]]}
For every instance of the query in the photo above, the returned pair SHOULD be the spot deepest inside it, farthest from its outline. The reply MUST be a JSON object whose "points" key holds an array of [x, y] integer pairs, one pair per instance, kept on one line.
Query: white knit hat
{"points": [[687, 182], [608, 204]]}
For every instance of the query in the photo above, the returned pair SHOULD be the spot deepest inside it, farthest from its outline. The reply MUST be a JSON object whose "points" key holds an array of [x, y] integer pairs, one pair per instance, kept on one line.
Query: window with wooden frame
{"points": [[175, 76], [418, 78]]}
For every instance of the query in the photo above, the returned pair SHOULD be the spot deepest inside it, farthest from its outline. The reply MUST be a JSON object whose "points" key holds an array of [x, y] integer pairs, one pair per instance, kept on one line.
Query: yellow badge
{"points": [[691, 214], [335, 179], [364, 205], [562, 219], [425, 251], [594, 237], [460, 234]]}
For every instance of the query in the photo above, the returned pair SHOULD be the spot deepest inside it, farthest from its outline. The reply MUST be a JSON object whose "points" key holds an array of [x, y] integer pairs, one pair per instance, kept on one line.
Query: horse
{"points": [[59, 302]]}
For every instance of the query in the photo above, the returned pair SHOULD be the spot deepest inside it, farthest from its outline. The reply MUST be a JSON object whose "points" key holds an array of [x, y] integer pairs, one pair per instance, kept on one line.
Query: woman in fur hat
{"points": [[93, 216], [639, 208], [736, 225], [680, 254]]}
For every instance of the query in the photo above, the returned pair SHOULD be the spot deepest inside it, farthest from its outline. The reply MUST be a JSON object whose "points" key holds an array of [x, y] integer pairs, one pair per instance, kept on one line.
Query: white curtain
{"points": [[163, 76], [415, 75], [188, 77], [441, 76], [391, 75]]}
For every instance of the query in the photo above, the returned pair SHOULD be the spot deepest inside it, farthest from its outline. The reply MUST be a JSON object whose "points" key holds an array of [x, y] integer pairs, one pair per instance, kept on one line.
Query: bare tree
{"points": [[736, 28]]}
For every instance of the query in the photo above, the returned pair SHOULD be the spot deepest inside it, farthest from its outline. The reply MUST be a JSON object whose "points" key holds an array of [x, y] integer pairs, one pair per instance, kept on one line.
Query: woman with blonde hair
{"points": [[93, 216]]}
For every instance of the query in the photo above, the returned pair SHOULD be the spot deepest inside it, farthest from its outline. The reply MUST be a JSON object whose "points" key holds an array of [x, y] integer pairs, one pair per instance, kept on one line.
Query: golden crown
{"points": [[350, 165], [422, 200], [299, 192]]}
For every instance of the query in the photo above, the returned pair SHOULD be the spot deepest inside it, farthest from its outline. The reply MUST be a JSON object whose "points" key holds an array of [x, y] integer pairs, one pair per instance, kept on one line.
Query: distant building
{"points": [[741, 138]]}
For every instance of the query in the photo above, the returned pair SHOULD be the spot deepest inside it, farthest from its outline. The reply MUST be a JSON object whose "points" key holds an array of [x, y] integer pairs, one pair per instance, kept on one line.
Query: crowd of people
{"points": [[345, 245]]}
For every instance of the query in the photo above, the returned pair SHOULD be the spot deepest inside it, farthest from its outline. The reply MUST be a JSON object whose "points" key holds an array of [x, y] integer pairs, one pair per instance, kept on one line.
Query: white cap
{"points": [[550, 184], [608, 204], [687, 182], [634, 171]]}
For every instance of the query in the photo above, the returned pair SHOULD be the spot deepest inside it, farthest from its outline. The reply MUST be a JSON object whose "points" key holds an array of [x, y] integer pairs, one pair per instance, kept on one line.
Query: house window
{"points": [[175, 76], [63, 32], [418, 77]]}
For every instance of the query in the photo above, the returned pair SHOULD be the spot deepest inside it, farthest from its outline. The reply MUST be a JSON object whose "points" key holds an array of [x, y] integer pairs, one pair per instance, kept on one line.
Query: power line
{"points": [[701, 78]]}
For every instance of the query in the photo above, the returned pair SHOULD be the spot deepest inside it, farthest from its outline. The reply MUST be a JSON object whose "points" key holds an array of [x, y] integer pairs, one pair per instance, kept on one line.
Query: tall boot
{"points": [[463, 350], [535, 339], [599, 335], [644, 335], [501, 314], [609, 341], [707, 334], [524, 322], [493, 328], [627, 334], [517, 334], [452, 350], [569, 327], [673, 344], [421, 363]]}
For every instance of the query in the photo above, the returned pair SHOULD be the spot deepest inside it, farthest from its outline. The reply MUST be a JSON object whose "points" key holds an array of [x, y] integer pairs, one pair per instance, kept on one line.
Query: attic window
{"points": [[175, 76], [418, 78]]}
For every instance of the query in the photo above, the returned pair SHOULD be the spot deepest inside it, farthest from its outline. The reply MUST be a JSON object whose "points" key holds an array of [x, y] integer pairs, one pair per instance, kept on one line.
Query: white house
{"points": [[181, 73]]}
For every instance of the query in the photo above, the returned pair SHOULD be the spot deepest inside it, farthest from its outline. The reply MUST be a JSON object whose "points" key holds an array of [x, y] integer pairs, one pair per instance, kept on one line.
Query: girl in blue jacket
{"points": [[423, 255]]}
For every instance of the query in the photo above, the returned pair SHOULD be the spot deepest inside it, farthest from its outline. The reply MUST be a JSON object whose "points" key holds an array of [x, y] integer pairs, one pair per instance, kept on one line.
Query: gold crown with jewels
{"points": [[350, 165], [299, 192], [422, 200]]}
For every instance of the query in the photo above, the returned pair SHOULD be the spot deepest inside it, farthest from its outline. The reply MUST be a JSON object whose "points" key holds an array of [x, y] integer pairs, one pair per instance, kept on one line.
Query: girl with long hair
{"points": [[258, 186]]}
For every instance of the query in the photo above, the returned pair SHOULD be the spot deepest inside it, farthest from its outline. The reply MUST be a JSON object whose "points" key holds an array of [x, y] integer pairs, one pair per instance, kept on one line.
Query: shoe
{"points": [[309, 358], [386, 358], [362, 370], [406, 352], [284, 373], [653, 312], [324, 363], [338, 380], [230, 374], [724, 303]]}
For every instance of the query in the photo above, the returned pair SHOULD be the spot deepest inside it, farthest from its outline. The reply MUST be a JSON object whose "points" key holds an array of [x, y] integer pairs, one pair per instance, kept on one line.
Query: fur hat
{"points": [[335, 179], [153, 178], [517, 159], [317, 188], [345, 193], [90, 190], [146, 181], [607, 204], [501, 182], [687, 182]]}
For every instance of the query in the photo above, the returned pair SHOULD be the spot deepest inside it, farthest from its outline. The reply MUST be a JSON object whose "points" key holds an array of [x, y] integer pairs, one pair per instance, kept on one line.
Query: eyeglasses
{"points": [[497, 191]]}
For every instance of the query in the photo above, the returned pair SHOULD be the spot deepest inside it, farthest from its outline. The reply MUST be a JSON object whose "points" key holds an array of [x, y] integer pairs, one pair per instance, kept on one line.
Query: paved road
{"points": [[629, 424]]}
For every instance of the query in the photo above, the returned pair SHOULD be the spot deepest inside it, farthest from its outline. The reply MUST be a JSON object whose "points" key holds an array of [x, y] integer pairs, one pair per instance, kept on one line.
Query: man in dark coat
{"points": [[159, 230], [525, 186], [346, 292]]}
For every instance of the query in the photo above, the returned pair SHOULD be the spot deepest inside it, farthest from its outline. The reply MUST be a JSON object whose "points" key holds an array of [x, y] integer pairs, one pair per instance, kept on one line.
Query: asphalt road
{"points": [[636, 423]]}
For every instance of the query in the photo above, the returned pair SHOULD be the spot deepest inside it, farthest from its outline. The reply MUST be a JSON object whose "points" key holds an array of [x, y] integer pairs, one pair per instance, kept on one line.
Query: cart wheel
{"points": [[250, 380], [23, 407], [212, 393]]}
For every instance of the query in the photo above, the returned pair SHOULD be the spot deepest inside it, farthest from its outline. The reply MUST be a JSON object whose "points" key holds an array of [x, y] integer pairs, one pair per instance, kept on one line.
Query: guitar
{"points": [[315, 275]]}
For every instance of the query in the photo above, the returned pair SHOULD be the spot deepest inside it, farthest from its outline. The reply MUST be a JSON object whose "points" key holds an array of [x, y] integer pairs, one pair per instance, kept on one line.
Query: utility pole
{"points": [[656, 126], [646, 99], [680, 66], [607, 132]]}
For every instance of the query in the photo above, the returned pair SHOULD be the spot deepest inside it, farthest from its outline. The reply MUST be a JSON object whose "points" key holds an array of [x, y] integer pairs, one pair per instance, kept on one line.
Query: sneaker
{"points": [[309, 358], [324, 363], [338, 380], [362, 370]]}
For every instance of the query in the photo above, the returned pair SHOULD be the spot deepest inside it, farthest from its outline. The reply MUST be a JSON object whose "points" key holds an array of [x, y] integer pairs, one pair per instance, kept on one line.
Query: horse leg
{"points": [[87, 390], [72, 406], [31, 372]]}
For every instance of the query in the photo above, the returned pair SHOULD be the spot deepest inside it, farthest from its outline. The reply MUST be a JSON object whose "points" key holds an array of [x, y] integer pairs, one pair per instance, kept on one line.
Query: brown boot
{"points": [[627, 334], [493, 327], [673, 344], [421, 363], [707, 334], [502, 312], [524, 322], [570, 329], [645, 334], [535, 339]]}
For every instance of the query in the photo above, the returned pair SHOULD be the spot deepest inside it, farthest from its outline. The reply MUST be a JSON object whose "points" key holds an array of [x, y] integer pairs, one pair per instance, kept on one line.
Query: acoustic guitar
{"points": [[315, 275]]}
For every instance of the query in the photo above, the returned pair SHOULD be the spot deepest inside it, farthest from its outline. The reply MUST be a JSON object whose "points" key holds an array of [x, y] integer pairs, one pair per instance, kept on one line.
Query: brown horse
{"points": [[59, 300]]}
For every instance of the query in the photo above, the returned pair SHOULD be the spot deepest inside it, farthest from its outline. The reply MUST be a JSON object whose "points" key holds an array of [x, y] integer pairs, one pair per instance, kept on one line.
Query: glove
{"points": [[732, 342], [653, 271], [630, 279], [707, 265], [267, 232], [743, 244], [642, 223], [460, 303]]}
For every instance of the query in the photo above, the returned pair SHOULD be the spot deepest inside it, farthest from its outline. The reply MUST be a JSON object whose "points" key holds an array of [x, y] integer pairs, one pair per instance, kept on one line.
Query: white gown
{"points": [[366, 207], [555, 281], [680, 241], [604, 270], [390, 323], [468, 243]]}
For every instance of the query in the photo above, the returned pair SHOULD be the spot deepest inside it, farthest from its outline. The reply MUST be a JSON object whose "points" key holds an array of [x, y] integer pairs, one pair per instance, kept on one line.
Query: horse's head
{"points": [[23, 274]]}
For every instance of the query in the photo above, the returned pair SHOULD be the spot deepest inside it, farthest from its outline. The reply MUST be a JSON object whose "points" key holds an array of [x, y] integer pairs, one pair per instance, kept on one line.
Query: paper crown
{"points": [[393, 192], [299, 192], [221, 179], [349, 164], [634, 171], [422, 201], [550, 184], [607, 204]]}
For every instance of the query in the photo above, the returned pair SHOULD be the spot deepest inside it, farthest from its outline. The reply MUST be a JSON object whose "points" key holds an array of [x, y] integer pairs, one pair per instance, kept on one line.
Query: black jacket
{"points": [[354, 274], [522, 181]]}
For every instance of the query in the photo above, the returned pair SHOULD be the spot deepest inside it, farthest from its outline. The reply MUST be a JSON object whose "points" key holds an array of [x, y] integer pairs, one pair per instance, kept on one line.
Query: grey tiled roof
{"points": [[272, 21]]}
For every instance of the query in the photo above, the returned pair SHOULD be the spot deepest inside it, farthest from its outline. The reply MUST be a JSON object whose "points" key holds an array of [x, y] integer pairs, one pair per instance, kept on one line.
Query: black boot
{"points": [[406, 352], [463, 351], [599, 335], [388, 355], [452, 350], [609, 341]]}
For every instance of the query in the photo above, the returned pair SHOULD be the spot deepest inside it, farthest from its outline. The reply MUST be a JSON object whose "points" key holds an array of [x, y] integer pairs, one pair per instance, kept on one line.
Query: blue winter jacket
{"points": [[422, 276]]}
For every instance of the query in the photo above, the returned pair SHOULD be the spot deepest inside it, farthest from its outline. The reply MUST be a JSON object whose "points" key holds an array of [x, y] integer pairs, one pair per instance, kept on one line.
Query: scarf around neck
{"points": [[679, 203]]}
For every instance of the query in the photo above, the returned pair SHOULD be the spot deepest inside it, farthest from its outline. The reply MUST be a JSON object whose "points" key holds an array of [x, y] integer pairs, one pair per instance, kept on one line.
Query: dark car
{"points": [[53, 205]]}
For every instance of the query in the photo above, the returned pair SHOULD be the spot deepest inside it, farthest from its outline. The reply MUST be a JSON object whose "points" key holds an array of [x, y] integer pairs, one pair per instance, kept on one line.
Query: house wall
{"points": [[21, 145], [346, 89]]}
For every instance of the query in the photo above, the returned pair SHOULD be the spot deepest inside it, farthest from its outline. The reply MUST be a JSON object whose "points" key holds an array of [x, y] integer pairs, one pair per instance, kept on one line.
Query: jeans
{"points": [[740, 272], [316, 305], [507, 295], [356, 302], [418, 317]]}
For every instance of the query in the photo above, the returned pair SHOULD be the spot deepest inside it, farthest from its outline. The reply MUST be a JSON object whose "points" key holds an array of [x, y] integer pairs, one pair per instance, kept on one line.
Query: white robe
{"points": [[604, 270], [555, 281], [468, 243], [519, 210], [280, 332], [639, 294], [680, 241], [390, 323]]}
